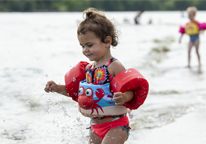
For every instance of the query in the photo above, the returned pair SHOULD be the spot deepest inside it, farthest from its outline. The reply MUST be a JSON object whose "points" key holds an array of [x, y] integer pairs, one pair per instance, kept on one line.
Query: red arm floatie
{"points": [[73, 77], [128, 80]]}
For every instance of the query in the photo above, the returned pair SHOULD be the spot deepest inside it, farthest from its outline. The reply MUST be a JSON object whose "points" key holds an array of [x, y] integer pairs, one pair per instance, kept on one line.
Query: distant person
{"points": [[192, 28], [137, 17], [126, 20], [150, 21]]}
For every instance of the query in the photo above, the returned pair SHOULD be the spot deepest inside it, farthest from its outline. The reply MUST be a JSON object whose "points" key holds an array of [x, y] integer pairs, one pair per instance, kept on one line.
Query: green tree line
{"points": [[106, 5]]}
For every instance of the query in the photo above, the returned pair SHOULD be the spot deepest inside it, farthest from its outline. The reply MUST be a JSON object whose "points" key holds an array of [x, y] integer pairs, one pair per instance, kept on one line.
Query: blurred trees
{"points": [[107, 5]]}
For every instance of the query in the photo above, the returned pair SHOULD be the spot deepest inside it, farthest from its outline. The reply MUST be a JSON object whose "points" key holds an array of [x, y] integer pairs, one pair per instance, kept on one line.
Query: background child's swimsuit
{"points": [[193, 38], [192, 29], [101, 75]]}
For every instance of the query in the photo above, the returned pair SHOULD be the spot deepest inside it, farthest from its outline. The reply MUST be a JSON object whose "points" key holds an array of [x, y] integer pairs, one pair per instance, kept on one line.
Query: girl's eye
{"points": [[88, 92], [90, 45], [80, 91]]}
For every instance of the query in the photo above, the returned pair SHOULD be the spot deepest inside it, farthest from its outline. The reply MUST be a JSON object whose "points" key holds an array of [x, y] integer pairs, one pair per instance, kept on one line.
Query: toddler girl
{"points": [[96, 34]]}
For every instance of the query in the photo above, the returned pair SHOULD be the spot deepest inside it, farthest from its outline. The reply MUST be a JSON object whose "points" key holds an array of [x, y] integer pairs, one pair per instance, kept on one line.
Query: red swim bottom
{"points": [[101, 129]]}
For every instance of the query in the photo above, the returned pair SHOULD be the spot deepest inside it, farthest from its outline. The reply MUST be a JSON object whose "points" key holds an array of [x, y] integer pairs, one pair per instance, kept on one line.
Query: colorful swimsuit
{"points": [[101, 76], [192, 29], [193, 38]]}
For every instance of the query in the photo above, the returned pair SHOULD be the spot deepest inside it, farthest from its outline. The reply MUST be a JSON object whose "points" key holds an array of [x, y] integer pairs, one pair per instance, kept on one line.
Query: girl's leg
{"points": [[115, 136], [94, 139], [197, 42], [189, 52]]}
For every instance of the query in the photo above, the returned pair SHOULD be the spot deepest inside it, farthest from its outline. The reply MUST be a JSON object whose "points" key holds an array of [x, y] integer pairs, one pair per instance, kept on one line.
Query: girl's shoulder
{"points": [[194, 22], [197, 22], [116, 67]]}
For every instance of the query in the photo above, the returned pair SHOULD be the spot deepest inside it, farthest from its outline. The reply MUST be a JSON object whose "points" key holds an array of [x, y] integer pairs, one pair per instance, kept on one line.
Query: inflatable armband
{"points": [[128, 80], [182, 30], [192, 28], [73, 77], [202, 26]]}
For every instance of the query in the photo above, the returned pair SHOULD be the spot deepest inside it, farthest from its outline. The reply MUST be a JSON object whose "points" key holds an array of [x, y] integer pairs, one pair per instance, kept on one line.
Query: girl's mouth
{"points": [[88, 55]]}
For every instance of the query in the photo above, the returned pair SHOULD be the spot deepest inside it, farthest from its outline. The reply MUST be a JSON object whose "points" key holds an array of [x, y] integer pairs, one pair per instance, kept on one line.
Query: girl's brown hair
{"points": [[96, 22]]}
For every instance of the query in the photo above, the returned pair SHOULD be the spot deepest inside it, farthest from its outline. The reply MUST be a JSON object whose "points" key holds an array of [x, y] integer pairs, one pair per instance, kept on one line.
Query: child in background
{"points": [[96, 34], [192, 29]]}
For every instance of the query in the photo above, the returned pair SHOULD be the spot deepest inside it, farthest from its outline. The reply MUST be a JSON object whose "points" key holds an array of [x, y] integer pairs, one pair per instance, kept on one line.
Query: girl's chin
{"points": [[90, 58]]}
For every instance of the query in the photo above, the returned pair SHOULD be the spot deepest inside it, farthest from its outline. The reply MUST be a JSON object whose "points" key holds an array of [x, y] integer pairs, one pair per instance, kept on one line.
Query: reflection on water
{"points": [[37, 47]]}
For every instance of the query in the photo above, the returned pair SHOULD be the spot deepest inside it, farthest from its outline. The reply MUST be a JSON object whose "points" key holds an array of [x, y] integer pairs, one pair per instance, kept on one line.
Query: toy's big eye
{"points": [[80, 91], [88, 92]]}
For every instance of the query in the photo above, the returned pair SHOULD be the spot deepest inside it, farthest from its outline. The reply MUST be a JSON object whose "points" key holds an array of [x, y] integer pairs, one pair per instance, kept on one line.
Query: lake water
{"points": [[38, 47]]}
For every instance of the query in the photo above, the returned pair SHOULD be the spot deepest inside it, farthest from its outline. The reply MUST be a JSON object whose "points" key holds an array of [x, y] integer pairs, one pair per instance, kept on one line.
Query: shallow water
{"points": [[37, 47]]}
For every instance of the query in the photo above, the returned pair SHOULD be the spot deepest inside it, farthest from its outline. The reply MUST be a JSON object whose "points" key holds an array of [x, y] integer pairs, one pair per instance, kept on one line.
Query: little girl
{"points": [[96, 34], [192, 29]]}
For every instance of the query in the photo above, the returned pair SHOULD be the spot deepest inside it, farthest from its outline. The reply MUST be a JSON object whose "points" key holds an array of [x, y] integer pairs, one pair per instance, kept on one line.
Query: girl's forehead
{"points": [[191, 12], [88, 35]]}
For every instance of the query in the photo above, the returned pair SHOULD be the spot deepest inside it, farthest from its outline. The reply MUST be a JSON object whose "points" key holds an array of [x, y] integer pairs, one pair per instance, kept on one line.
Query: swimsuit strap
{"points": [[110, 61], [106, 64]]}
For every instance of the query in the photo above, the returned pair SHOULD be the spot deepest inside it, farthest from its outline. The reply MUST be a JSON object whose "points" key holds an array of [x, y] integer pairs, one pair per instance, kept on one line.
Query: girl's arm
{"points": [[180, 39], [51, 86], [120, 98]]}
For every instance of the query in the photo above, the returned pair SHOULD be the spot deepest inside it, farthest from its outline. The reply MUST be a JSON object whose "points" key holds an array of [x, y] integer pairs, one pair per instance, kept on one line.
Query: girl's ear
{"points": [[108, 41]]}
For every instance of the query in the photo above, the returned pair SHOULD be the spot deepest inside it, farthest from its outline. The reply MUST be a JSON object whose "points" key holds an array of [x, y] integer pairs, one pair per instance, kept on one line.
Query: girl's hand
{"points": [[201, 31], [119, 98], [51, 86]]}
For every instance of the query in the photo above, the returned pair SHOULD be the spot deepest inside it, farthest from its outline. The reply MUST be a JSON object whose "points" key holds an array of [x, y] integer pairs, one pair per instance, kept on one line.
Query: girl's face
{"points": [[92, 47], [191, 16]]}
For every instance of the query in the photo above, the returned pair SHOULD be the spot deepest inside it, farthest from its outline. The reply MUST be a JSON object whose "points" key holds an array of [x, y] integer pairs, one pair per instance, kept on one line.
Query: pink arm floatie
{"points": [[182, 30], [131, 80], [73, 77], [202, 26]]}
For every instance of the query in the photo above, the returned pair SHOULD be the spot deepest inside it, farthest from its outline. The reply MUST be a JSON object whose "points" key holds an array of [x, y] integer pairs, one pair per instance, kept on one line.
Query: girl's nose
{"points": [[86, 49]]}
